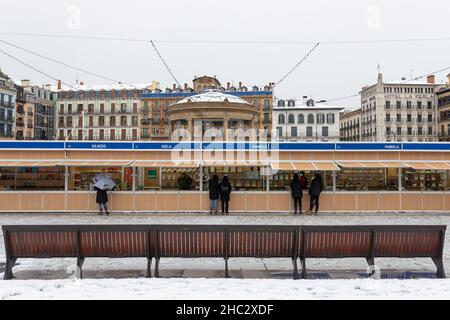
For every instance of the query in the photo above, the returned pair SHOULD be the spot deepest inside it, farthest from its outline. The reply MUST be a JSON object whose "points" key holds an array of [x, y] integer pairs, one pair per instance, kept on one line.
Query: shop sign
{"points": [[152, 174], [100, 146], [369, 146]]}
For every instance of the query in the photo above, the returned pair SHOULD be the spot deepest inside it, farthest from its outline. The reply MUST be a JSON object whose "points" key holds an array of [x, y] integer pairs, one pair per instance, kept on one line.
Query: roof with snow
{"points": [[212, 97], [112, 87]]}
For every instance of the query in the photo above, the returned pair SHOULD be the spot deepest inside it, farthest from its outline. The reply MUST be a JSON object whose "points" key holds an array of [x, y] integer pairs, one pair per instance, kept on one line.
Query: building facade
{"points": [[99, 112], [213, 115], [308, 121], [350, 125], [399, 111], [443, 98], [156, 104], [25, 107], [7, 107], [44, 113]]}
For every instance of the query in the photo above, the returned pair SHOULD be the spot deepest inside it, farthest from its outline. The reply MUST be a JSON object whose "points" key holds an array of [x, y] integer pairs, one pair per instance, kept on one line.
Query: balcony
{"points": [[20, 124], [30, 126], [145, 122], [20, 111]]}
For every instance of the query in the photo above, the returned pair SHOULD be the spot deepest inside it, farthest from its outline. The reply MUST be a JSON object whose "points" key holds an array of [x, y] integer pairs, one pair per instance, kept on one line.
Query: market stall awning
{"points": [[94, 163], [304, 166], [371, 164], [164, 164], [428, 165], [29, 163], [236, 163], [282, 166], [326, 166]]}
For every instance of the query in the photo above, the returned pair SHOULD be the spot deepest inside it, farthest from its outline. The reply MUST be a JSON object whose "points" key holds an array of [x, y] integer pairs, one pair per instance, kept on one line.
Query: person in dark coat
{"points": [[102, 200], [214, 194], [297, 193], [225, 193], [315, 190]]}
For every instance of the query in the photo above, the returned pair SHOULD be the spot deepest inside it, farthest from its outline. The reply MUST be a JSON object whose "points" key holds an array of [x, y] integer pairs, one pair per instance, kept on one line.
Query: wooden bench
{"points": [[372, 242], [225, 242]]}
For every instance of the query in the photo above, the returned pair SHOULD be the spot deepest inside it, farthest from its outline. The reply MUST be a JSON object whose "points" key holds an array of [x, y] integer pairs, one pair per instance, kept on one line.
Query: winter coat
{"points": [[225, 191], [304, 182], [296, 189], [316, 187], [214, 190], [102, 196]]}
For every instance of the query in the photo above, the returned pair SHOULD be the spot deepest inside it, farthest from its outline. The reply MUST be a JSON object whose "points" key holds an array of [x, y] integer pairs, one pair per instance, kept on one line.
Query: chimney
{"points": [[431, 79], [25, 83], [448, 78], [240, 85], [59, 85], [229, 85], [185, 87], [81, 83], [174, 87]]}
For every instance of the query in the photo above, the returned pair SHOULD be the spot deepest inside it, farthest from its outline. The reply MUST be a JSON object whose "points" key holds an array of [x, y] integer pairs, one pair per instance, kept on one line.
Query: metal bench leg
{"points": [[304, 275], [148, 274], [440, 267], [8, 269], [227, 274], [157, 267], [371, 263], [295, 273], [79, 271]]}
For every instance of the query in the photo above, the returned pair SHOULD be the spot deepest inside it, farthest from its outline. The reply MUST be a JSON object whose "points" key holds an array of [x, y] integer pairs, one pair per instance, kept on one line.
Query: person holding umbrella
{"points": [[102, 184]]}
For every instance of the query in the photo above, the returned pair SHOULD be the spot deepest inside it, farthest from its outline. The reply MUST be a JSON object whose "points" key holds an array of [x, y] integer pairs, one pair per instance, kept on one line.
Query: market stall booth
{"points": [[164, 177]]}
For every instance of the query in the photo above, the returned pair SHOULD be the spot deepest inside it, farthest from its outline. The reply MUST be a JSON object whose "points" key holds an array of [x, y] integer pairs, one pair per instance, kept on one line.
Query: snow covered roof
{"points": [[409, 82], [212, 96], [115, 87]]}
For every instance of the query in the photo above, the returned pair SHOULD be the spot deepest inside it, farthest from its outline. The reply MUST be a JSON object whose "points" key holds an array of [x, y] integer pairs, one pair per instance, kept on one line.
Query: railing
{"points": [[145, 121]]}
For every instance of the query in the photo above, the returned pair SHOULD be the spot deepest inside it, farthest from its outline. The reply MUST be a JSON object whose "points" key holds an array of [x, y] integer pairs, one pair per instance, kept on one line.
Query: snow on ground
{"points": [[54, 278], [224, 289]]}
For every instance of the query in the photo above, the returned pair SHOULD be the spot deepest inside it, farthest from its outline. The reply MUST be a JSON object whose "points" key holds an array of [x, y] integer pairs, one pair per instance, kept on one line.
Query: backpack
{"points": [[303, 182], [224, 188]]}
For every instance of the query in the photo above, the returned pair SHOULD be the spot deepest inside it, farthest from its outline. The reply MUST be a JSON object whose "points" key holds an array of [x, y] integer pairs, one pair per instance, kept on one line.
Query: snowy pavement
{"points": [[202, 278]]}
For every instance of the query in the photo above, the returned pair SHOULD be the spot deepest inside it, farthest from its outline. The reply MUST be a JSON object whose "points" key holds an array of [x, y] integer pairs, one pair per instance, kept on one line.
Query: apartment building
{"points": [[7, 107], [25, 107], [443, 98], [350, 125], [404, 110], [105, 112], [306, 120], [156, 104]]}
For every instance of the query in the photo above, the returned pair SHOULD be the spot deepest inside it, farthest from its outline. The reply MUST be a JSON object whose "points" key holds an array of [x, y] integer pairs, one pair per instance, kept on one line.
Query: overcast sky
{"points": [[333, 70]]}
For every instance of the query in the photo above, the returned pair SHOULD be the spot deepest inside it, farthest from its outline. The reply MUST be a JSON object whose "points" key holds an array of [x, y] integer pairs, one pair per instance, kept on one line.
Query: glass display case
{"points": [[81, 177]]}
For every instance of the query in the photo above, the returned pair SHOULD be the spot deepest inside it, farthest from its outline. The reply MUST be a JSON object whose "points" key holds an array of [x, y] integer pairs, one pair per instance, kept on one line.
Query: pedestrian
{"points": [[303, 180], [102, 200], [225, 193], [214, 194], [315, 190], [297, 194]]}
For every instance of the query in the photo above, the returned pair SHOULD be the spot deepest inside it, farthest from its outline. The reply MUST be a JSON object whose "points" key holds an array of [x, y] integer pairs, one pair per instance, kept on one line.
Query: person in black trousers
{"points": [[315, 190], [225, 193], [102, 200], [297, 194], [214, 194]]}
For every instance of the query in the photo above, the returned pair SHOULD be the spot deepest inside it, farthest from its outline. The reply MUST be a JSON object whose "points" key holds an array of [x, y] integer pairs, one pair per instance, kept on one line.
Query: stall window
{"points": [[361, 180], [242, 178], [32, 179], [423, 180], [180, 179], [80, 178]]}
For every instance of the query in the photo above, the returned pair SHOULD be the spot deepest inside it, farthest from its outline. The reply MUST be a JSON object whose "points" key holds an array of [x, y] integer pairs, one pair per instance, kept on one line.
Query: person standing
{"points": [[225, 195], [303, 180], [297, 193], [315, 190], [102, 200], [214, 194]]}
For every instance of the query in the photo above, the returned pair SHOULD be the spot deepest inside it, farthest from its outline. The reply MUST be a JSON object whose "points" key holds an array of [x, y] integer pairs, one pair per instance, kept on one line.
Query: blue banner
{"points": [[368, 146], [94, 145], [31, 145]]}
